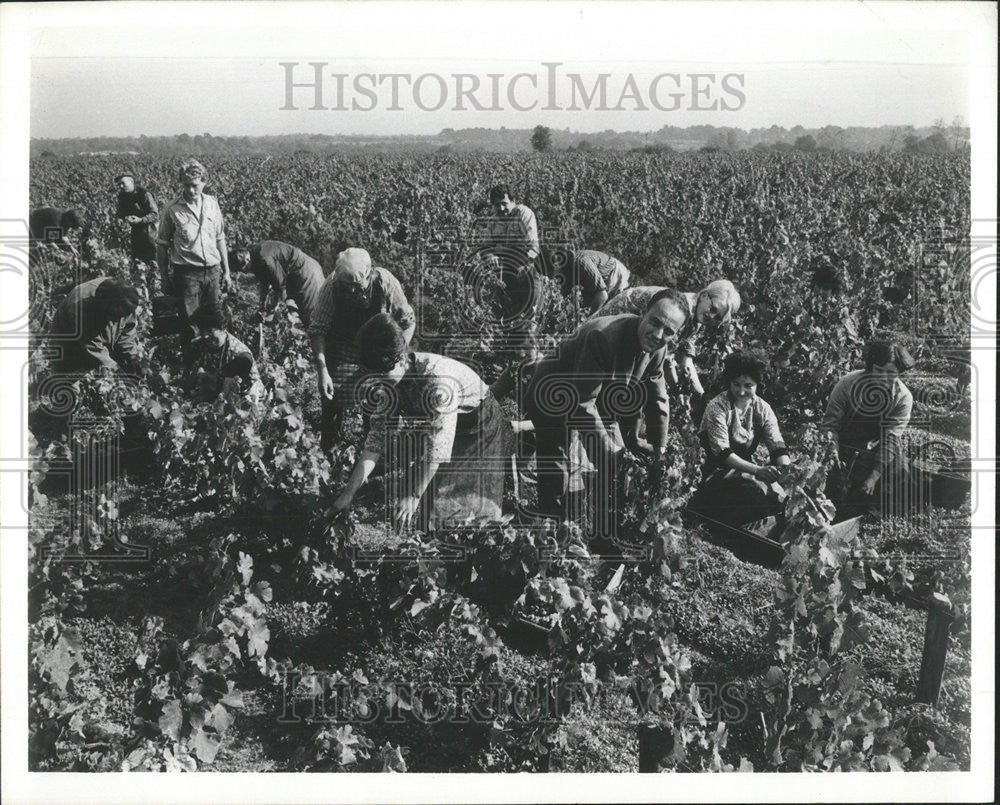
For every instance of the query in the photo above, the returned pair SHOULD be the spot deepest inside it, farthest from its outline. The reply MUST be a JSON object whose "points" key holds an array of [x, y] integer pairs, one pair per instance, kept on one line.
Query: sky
{"points": [[846, 64]]}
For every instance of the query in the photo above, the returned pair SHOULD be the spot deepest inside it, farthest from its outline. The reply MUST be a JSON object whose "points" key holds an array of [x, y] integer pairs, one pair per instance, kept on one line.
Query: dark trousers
{"points": [[554, 470], [194, 287]]}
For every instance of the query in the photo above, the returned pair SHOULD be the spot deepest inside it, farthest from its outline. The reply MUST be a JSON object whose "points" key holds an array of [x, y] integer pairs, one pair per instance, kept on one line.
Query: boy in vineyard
{"points": [[868, 412], [510, 247], [601, 379], [284, 269], [191, 247], [355, 292], [137, 207], [219, 356]]}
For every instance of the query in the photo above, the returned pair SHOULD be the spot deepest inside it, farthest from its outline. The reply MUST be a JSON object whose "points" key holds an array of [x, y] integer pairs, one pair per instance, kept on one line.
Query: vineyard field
{"points": [[201, 607]]}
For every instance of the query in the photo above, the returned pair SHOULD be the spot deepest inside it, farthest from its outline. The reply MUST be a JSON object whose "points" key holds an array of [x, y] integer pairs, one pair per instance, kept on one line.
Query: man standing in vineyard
{"points": [[284, 269], [137, 207], [191, 247], [602, 378], [355, 292], [511, 248]]}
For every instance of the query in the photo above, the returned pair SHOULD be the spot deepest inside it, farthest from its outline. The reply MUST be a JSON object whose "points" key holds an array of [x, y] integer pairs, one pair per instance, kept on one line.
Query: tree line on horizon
{"points": [[937, 138]]}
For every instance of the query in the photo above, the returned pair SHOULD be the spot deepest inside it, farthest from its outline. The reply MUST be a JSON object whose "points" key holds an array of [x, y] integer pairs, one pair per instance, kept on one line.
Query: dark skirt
{"points": [[732, 498], [471, 484]]}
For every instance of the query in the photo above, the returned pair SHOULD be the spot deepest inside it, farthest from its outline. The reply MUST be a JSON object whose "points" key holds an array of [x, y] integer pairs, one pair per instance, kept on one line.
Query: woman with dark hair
{"points": [[220, 355], [735, 489], [433, 419], [868, 412]]}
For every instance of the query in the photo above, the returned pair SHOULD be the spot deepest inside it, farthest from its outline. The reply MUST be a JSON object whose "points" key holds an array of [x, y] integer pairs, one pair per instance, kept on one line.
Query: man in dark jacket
{"points": [[284, 269], [137, 207], [605, 375], [95, 326]]}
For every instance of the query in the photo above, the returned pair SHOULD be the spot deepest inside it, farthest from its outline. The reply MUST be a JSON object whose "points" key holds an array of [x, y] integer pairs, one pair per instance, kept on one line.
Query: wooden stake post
{"points": [[939, 620]]}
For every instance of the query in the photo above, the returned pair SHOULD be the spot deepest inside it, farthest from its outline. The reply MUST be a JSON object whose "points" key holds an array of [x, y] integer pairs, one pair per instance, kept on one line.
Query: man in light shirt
{"points": [[191, 246]]}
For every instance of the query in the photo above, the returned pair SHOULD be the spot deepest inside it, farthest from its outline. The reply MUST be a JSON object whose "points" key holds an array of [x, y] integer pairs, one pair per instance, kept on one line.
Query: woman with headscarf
{"points": [[735, 489], [432, 419], [868, 411]]}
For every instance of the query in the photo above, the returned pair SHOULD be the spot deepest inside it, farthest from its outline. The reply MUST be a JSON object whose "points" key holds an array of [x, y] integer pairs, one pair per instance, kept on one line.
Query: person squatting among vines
{"points": [[867, 414], [735, 490], [219, 356]]}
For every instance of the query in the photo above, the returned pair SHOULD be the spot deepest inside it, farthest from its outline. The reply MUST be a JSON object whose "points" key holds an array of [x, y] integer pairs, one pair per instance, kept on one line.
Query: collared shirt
{"points": [[87, 338], [287, 270], [600, 376], [725, 429], [193, 239], [337, 319], [434, 391], [514, 230]]}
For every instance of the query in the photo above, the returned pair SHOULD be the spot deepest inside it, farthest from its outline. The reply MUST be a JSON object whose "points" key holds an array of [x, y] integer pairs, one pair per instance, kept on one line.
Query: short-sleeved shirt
{"points": [[434, 391], [337, 318], [289, 270], [725, 430], [193, 240], [88, 339], [516, 230]]}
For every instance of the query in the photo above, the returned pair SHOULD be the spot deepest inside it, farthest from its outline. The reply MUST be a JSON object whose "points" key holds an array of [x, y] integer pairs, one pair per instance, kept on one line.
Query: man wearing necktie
{"points": [[599, 382]]}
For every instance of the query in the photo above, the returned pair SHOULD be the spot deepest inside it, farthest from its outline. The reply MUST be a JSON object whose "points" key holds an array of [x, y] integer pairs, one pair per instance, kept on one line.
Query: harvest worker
{"points": [[284, 269], [599, 276], [735, 490], [95, 326], [511, 249], [191, 245], [868, 412], [463, 438], [219, 355], [53, 225], [603, 376], [713, 307], [355, 292], [137, 207]]}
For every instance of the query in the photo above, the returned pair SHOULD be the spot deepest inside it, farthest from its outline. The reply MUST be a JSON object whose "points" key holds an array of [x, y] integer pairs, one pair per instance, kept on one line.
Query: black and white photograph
{"points": [[498, 402]]}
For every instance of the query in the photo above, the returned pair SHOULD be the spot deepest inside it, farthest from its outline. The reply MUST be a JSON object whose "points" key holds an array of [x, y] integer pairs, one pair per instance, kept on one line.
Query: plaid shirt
{"points": [[336, 320]]}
